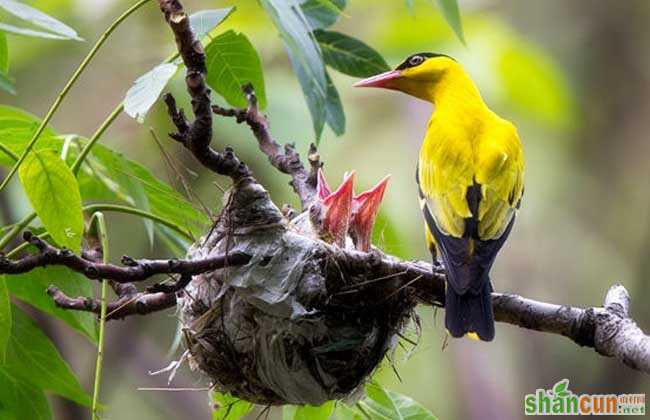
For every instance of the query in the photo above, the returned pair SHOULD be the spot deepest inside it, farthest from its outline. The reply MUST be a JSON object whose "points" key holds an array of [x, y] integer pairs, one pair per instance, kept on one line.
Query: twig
{"points": [[138, 304], [285, 159]]}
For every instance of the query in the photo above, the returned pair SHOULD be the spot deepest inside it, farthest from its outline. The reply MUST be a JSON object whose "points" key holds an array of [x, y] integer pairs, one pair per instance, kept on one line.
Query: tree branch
{"points": [[126, 305], [196, 136], [285, 159], [135, 270]]}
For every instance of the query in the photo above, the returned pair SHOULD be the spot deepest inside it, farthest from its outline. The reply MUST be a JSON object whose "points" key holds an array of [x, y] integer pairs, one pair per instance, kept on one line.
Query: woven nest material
{"points": [[289, 327]]}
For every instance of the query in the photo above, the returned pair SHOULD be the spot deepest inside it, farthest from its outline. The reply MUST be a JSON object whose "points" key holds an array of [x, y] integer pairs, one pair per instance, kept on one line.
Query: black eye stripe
{"points": [[417, 59]]}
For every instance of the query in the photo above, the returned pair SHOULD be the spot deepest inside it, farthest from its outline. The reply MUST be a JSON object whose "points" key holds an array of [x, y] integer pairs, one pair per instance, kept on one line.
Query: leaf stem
{"points": [[15, 230], [68, 86], [4, 149], [100, 221]]}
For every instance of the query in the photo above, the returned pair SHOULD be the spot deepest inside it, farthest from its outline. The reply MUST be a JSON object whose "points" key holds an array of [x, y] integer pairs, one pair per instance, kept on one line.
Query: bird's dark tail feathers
{"points": [[470, 312]]}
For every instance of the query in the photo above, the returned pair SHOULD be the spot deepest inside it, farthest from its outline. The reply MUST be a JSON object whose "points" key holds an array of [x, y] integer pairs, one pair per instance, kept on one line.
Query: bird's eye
{"points": [[416, 60]]}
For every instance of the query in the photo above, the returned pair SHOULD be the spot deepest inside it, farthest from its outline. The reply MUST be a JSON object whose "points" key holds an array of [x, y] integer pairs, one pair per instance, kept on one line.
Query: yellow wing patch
{"points": [[448, 166]]}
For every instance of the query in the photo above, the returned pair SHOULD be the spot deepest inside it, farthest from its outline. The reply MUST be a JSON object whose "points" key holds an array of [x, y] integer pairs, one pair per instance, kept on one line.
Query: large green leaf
{"points": [[315, 96], [451, 13], [113, 170], [334, 115], [349, 55], [5, 318], [40, 19], [229, 407], [233, 62], [30, 287], [32, 357], [146, 90], [304, 53], [53, 191], [163, 200], [17, 128], [204, 21], [323, 13], [21, 400], [384, 404]]}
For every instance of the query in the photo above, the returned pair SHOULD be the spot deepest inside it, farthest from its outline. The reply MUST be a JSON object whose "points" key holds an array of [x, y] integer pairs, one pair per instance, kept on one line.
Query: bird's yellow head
{"points": [[418, 75]]}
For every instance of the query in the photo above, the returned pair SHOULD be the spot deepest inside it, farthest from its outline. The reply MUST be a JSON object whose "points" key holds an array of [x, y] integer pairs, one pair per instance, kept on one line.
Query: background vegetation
{"points": [[572, 75]]}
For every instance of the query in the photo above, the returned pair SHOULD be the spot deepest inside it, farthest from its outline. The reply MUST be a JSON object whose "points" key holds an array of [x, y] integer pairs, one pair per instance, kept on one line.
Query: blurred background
{"points": [[573, 75]]}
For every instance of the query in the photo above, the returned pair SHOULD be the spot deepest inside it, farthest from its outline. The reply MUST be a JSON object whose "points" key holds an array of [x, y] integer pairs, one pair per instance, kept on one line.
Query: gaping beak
{"points": [[382, 80], [364, 211], [322, 187], [338, 210]]}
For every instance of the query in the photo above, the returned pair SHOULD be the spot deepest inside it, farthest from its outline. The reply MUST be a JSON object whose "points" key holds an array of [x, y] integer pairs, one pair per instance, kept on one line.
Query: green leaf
{"points": [[106, 175], [308, 412], [322, 14], [384, 404], [452, 15], [53, 191], [32, 357], [40, 19], [345, 412], [349, 55], [113, 170], [29, 32], [5, 318], [229, 407], [334, 115], [204, 21], [146, 89], [304, 53], [112, 167], [233, 62], [409, 5], [31, 288], [21, 400], [16, 129], [316, 97], [560, 388]]}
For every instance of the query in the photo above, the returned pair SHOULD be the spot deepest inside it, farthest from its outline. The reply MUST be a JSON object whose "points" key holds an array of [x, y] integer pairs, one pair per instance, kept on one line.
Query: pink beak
{"points": [[338, 210], [322, 186], [382, 80], [364, 212]]}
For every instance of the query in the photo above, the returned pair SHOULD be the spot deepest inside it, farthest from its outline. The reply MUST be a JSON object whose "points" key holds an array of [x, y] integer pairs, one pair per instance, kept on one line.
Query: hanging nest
{"points": [[295, 325]]}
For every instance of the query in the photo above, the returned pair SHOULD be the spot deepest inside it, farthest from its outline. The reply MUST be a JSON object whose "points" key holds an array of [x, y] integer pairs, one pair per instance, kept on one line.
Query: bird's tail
{"points": [[470, 312]]}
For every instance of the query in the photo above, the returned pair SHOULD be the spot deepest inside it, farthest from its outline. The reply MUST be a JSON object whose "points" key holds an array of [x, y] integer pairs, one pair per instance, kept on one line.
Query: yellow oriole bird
{"points": [[470, 178]]}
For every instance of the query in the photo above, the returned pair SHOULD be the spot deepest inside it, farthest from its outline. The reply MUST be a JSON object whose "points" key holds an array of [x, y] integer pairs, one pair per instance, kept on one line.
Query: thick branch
{"points": [[285, 159], [608, 329], [134, 270], [196, 136]]}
